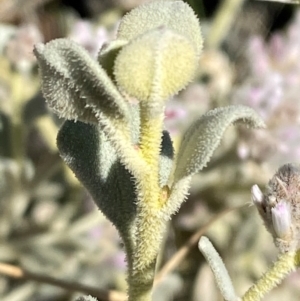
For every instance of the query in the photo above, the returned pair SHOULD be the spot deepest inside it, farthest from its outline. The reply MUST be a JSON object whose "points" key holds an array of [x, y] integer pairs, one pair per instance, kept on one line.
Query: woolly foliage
{"points": [[74, 86], [156, 65], [204, 135], [198, 144], [108, 54], [96, 164], [221, 274], [174, 15], [115, 144]]}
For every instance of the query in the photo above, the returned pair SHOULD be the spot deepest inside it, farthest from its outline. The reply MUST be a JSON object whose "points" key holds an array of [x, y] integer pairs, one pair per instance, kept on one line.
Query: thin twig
{"points": [[175, 260], [102, 295]]}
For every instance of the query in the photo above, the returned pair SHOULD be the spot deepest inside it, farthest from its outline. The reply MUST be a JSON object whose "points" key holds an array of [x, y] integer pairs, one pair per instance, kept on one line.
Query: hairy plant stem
{"points": [[149, 222], [141, 283], [285, 264]]}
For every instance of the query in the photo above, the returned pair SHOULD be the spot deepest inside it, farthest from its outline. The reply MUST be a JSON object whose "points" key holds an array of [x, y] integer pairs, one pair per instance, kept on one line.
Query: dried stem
{"points": [[17, 272]]}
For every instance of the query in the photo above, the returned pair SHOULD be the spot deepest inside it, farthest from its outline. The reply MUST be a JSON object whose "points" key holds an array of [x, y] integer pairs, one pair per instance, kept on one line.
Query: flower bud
{"points": [[257, 195], [156, 65], [281, 218], [279, 207]]}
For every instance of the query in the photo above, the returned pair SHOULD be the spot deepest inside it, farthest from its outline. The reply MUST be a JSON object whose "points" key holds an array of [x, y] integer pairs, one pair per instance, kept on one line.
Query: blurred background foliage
{"points": [[49, 224]]}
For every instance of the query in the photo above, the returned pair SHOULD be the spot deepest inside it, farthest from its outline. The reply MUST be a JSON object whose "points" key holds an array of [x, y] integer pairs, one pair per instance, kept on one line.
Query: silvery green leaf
{"points": [[161, 62], [175, 15], [198, 145], [87, 151], [108, 53], [204, 135], [178, 194], [75, 86], [220, 272]]}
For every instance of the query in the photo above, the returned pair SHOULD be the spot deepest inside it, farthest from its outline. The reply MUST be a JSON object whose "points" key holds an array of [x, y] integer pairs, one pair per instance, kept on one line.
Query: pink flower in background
{"points": [[175, 115], [89, 36], [182, 109], [272, 88], [258, 55]]}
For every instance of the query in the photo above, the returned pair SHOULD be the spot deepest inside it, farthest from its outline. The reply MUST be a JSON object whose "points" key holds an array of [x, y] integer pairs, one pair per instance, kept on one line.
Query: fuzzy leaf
{"points": [[178, 194], [108, 54], [75, 86], [204, 135], [198, 145], [87, 151], [174, 15], [217, 265], [156, 65], [93, 159]]}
